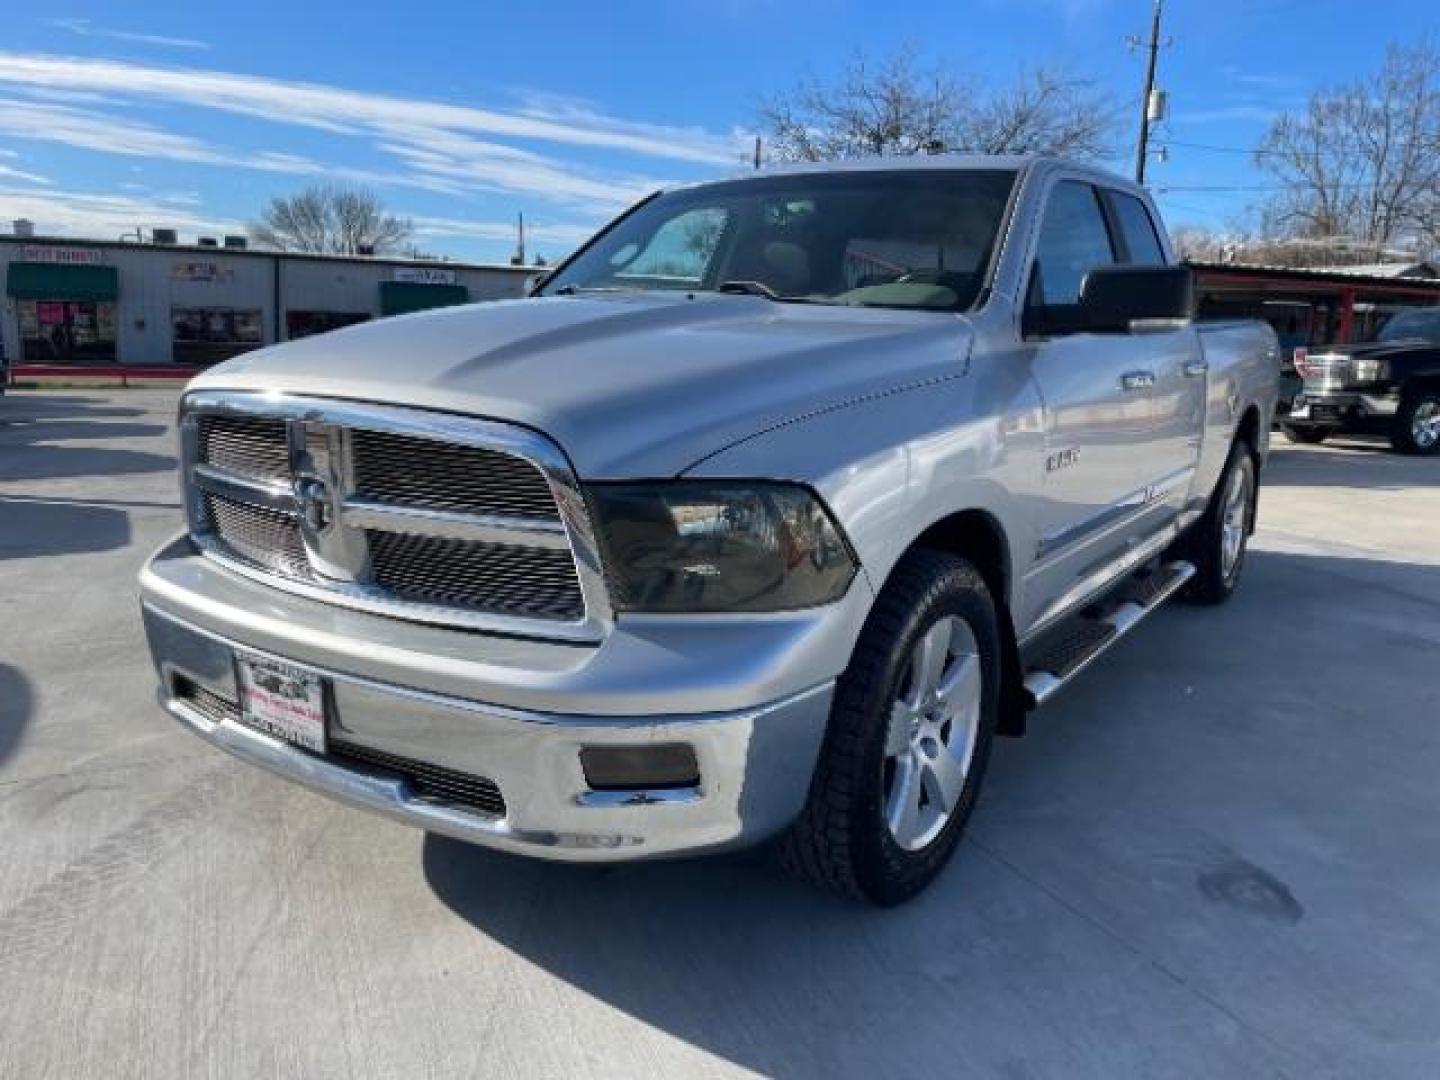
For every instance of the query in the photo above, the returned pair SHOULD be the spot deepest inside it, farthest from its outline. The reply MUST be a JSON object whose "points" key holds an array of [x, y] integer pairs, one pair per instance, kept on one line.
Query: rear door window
{"points": [[1137, 229]]}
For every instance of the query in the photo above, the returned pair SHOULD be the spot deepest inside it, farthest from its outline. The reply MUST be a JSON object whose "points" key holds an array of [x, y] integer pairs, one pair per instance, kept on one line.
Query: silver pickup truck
{"points": [[776, 502]]}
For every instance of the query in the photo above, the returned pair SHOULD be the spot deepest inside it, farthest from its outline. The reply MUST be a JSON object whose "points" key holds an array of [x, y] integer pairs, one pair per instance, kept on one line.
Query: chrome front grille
{"points": [[534, 582], [262, 537], [419, 515], [442, 476], [1324, 371], [248, 446]]}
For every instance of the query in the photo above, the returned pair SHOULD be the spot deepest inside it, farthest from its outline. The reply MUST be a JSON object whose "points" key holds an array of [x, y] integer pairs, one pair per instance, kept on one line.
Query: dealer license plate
{"points": [[284, 701]]}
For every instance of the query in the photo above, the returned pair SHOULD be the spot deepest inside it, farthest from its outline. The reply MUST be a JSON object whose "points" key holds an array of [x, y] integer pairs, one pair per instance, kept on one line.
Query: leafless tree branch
{"points": [[896, 106], [1361, 163], [329, 219]]}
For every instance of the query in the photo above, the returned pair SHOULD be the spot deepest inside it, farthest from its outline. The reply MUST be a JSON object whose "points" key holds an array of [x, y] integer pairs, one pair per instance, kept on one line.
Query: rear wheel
{"points": [[909, 736], [1417, 423], [1218, 541], [1309, 436]]}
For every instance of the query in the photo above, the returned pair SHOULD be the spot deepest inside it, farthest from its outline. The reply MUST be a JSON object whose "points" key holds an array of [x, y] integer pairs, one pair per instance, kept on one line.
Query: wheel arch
{"points": [[978, 537], [1248, 432]]}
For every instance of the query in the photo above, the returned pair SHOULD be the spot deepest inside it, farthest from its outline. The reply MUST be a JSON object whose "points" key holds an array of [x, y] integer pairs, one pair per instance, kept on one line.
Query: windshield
{"points": [[909, 239], [1423, 323]]}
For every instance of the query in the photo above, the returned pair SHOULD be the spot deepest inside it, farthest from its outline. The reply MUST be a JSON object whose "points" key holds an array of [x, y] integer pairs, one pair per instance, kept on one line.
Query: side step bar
{"points": [[1070, 650]]}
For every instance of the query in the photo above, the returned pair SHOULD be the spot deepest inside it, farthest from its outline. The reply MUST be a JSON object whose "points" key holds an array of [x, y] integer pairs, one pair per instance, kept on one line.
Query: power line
{"points": [[1358, 186], [1261, 152]]}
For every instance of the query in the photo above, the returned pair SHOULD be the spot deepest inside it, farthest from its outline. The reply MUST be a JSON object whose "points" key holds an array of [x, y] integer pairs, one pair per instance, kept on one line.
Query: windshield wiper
{"points": [[749, 288], [572, 289]]}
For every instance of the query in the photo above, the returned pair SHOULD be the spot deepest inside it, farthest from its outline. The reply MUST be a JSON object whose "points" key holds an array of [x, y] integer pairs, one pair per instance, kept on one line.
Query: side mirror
{"points": [[534, 281], [1114, 298]]}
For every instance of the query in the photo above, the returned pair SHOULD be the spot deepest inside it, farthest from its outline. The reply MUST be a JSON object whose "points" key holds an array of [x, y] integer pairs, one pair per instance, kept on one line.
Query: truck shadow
{"points": [[1078, 909], [36, 526], [16, 703], [1355, 463], [34, 429]]}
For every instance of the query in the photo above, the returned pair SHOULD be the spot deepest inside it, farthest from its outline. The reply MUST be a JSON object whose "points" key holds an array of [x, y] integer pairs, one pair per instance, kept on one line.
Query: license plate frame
{"points": [[282, 700]]}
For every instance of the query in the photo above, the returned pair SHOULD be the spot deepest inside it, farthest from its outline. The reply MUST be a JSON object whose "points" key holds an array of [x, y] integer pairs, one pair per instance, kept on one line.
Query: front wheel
{"points": [[909, 736], [1417, 423], [1217, 543]]}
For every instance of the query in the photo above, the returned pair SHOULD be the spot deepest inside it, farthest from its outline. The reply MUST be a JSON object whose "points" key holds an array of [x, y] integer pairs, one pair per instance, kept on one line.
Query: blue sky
{"points": [[460, 115]]}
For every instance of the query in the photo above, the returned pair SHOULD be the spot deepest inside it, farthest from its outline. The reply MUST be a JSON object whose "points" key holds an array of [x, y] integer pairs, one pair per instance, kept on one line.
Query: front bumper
{"points": [[470, 704], [1338, 408]]}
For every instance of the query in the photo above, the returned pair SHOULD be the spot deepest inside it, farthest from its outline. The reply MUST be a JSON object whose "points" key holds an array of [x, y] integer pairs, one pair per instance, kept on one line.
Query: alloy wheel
{"points": [[930, 741], [1234, 522], [1425, 423]]}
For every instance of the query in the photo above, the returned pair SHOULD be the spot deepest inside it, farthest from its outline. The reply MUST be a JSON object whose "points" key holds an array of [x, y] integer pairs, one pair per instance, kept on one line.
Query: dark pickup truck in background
{"points": [[1390, 386]]}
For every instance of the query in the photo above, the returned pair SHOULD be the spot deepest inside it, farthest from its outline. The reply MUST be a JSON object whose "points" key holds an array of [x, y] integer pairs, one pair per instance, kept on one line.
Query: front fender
{"points": [[890, 467]]}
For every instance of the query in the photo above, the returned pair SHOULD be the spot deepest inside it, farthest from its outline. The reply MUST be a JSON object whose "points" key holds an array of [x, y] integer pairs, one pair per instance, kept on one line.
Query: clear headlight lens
{"points": [[711, 546], [1368, 370]]}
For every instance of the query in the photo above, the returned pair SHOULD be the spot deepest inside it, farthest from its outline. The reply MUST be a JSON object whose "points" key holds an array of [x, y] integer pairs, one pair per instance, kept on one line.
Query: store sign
{"points": [[425, 275], [66, 256], [201, 271]]}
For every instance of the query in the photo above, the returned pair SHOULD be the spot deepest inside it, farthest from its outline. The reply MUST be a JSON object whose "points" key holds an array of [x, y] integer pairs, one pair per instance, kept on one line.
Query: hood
{"points": [[635, 385], [1376, 348]]}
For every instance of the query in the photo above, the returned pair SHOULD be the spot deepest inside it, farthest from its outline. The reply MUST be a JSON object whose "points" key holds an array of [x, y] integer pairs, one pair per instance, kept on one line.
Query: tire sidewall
{"points": [[889, 873], [1404, 439], [1242, 460]]}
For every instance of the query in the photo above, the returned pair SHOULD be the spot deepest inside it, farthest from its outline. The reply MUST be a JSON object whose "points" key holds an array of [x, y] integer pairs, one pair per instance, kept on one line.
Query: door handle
{"points": [[1195, 368], [1137, 380]]}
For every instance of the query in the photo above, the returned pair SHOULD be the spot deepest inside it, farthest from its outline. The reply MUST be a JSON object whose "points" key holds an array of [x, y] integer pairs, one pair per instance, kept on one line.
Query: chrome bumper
{"points": [[1337, 406], [755, 763]]}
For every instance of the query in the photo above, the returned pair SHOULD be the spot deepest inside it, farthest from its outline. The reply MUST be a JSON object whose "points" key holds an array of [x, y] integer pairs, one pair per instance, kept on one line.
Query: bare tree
{"points": [[1359, 166], [896, 106], [1200, 244], [332, 220]]}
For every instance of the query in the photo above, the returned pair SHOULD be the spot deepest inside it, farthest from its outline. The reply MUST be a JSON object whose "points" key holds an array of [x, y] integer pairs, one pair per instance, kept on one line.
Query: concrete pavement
{"points": [[1215, 855]]}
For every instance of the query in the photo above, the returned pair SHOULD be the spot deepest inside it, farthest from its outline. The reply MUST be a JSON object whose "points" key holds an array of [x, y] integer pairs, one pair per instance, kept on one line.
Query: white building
{"points": [[106, 302]]}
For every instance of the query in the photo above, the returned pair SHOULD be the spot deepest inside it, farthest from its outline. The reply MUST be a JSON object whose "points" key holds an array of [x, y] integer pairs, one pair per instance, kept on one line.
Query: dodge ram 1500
{"points": [[775, 503]]}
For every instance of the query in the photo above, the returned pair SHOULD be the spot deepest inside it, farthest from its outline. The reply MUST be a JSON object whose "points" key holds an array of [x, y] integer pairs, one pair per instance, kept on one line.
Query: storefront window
{"points": [[66, 331], [300, 324], [210, 334]]}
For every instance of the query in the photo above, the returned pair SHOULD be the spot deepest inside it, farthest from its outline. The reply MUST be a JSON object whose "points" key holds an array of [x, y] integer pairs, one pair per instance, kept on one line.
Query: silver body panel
{"points": [[898, 419]]}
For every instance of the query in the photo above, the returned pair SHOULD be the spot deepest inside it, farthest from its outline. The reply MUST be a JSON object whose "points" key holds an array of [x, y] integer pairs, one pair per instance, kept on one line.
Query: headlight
{"points": [[1368, 370], [719, 546]]}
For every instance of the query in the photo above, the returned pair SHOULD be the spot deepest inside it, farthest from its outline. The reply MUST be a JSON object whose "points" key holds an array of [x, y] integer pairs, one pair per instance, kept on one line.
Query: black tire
{"points": [[841, 840], [1307, 436], [1215, 581], [1404, 436]]}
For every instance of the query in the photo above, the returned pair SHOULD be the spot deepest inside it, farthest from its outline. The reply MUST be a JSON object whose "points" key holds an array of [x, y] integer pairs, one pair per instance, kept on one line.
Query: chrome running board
{"points": [[1064, 653]]}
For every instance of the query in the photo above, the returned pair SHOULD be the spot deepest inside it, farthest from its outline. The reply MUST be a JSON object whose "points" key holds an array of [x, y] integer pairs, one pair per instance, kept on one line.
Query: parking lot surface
{"points": [[1215, 855]]}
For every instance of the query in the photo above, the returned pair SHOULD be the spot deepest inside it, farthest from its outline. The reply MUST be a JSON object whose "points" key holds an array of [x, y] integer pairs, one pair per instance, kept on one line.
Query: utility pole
{"points": [[1143, 149], [520, 240], [757, 151]]}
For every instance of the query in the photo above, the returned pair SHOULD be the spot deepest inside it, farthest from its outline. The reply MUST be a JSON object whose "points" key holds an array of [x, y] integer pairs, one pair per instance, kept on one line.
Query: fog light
{"points": [[620, 768]]}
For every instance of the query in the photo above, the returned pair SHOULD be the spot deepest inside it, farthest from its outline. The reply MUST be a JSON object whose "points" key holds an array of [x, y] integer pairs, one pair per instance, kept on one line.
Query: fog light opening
{"points": [[657, 767]]}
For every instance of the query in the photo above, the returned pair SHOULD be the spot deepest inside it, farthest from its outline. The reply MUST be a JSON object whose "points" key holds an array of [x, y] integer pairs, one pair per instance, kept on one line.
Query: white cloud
{"points": [[70, 213], [85, 28], [432, 146], [112, 134], [8, 172], [335, 108]]}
